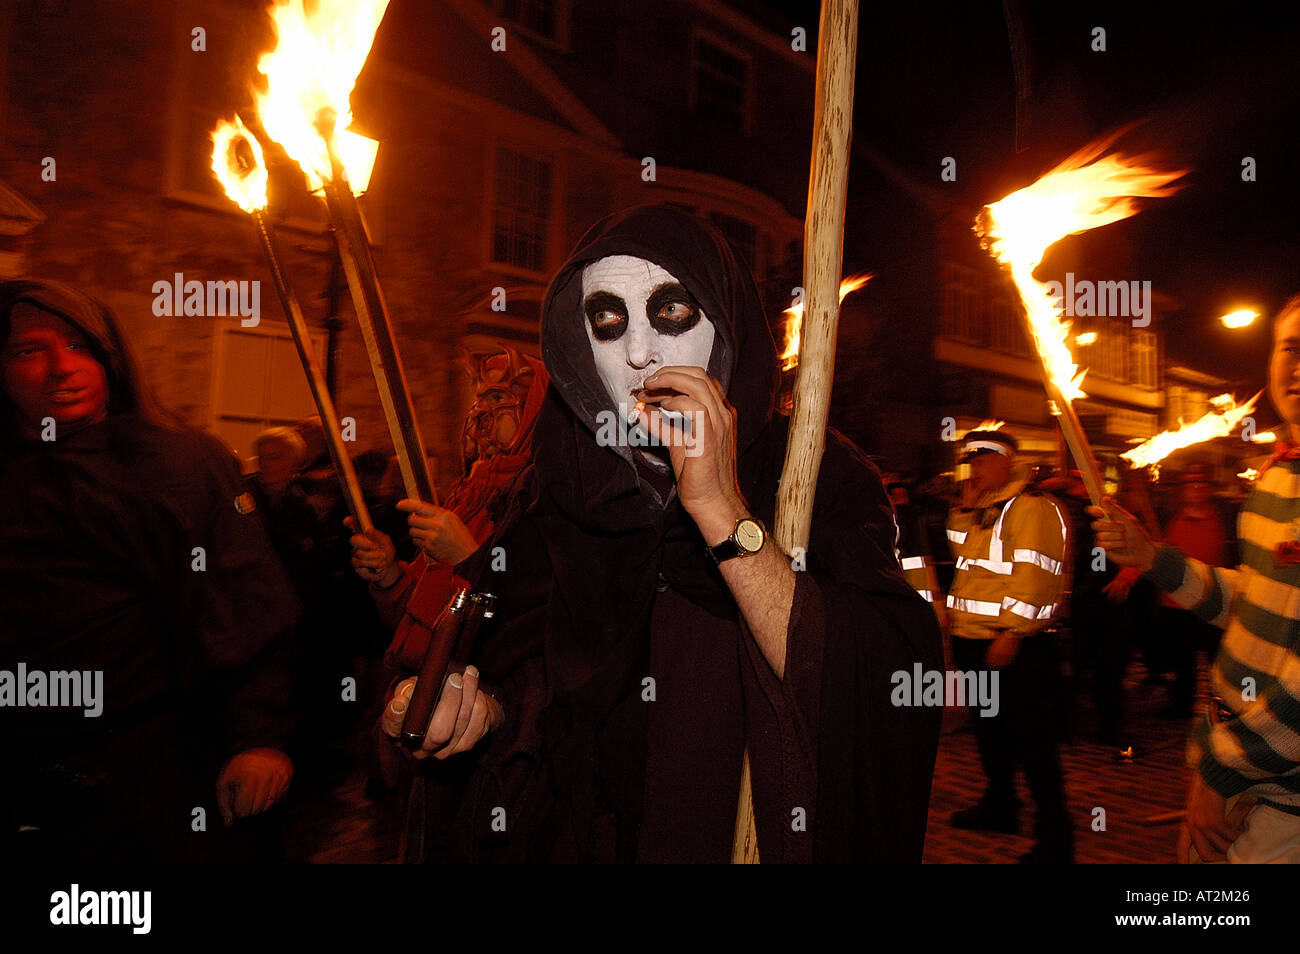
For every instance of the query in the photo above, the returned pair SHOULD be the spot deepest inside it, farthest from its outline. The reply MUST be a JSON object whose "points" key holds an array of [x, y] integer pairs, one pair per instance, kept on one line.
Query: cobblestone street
{"points": [[1135, 794]]}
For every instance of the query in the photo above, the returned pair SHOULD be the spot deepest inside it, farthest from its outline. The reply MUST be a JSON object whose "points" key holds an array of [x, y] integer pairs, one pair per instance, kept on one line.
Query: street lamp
{"points": [[1241, 318]]}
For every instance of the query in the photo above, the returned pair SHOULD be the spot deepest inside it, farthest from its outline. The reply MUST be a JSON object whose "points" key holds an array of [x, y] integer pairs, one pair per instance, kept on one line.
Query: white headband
{"points": [[1000, 448]]}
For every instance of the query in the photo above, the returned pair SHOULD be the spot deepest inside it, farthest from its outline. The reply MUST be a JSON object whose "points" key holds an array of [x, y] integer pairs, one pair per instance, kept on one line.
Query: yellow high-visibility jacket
{"points": [[1011, 558]]}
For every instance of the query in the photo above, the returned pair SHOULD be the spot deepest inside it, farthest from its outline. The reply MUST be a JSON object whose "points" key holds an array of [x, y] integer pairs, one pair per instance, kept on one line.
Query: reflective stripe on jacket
{"points": [[1011, 563]]}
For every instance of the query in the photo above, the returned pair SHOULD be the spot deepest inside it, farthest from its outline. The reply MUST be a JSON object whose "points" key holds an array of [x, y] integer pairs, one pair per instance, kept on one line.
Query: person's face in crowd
{"points": [[1197, 493], [1284, 370], [276, 464], [989, 471], [898, 496], [639, 318], [50, 372]]}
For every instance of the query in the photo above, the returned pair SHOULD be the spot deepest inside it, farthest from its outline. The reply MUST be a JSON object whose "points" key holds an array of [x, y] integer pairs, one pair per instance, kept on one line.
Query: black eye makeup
{"points": [[607, 314], [672, 310]]}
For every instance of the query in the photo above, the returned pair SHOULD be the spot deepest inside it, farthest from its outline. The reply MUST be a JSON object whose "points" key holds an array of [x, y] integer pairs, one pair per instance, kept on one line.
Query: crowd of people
{"points": [[646, 635], [1081, 626]]}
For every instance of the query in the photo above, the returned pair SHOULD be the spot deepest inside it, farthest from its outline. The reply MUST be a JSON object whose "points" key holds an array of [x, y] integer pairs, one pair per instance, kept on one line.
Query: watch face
{"points": [[749, 535]]}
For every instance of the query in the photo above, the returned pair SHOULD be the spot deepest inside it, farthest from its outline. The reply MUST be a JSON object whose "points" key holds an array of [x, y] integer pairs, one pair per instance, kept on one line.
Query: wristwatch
{"points": [[746, 540]]}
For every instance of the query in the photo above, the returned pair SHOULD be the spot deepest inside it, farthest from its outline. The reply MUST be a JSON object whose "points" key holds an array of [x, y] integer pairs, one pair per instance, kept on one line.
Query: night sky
{"points": [[1200, 91]]}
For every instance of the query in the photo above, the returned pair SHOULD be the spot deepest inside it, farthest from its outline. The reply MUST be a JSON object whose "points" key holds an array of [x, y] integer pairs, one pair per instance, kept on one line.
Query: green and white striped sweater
{"points": [[1257, 672]]}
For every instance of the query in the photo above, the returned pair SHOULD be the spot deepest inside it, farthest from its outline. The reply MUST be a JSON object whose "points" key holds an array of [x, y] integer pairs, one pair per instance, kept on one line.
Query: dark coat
{"points": [[632, 684], [131, 548]]}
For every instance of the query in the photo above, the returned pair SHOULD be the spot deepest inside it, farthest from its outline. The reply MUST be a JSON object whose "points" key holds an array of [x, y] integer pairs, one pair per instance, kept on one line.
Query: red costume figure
{"points": [[497, 443]]}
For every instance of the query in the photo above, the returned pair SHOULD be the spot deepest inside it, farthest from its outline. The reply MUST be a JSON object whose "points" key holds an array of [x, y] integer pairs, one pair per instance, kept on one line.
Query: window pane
{"points": [[521, 216]]}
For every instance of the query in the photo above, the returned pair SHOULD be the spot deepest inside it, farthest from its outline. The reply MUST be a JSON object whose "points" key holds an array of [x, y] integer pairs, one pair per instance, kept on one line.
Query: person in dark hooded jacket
{"points": [[131, 558], [648, 629]]}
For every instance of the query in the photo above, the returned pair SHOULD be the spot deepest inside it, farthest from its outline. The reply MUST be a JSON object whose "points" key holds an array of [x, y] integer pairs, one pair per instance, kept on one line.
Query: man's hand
{"points": [[703, 458], [373, 556], [438, 532], [462, 717], [252, 782], [1206, 825], [1118, 589], [1121, 536], [1003, 651]]}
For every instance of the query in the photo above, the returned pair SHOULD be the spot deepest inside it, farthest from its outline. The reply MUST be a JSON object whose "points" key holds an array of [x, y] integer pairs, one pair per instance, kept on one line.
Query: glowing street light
{"points": [[1241, 318]]}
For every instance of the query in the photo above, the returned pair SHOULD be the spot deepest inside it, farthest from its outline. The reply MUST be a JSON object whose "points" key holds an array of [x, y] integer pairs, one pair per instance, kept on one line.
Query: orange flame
{"points": [[1082, 193], [238, 165], [1217, 423], [988, 424], [794, 320], [309, 80]]}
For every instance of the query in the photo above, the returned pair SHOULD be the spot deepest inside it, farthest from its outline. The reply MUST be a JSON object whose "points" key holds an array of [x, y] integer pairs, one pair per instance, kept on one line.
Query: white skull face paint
{"points": [[639, 318]]}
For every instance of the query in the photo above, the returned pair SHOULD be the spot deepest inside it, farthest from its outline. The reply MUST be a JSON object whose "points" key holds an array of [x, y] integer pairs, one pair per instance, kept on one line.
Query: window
{"points": [[521, 210], [1107, 356], [545, 19], [258, 382], [720, 91], [206, 87], [963, 316], [1145, 365], [1008, 333]]}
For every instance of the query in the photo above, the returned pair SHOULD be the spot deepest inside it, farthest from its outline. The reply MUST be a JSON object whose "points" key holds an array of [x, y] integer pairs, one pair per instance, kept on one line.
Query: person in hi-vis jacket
{"points": [[1009, 543]]}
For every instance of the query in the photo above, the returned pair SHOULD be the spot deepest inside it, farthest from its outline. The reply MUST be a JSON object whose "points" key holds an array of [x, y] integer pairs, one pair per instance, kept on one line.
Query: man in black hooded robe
{"points": [[128, 547], [628, 667]]}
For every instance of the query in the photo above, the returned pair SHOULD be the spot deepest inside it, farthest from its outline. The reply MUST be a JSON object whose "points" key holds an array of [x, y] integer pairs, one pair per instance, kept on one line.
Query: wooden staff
{"points": [[376, 325], [242, 175], [1071, 429], [823, 253], [329, 419]]}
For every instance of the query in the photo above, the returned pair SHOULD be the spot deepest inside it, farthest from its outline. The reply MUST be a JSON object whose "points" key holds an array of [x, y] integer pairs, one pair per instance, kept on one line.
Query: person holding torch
{"points": [[1248, 743]]}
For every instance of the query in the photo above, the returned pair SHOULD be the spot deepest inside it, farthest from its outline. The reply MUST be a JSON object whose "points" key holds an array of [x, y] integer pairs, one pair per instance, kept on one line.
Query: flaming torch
{"points": [[237, 163], [310, 75], [1216, 423], [794, 320], [1082, 193]]}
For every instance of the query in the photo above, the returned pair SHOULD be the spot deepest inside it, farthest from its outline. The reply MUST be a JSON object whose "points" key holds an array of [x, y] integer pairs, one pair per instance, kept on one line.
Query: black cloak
{"points": [[630, 681], [100, 531]]}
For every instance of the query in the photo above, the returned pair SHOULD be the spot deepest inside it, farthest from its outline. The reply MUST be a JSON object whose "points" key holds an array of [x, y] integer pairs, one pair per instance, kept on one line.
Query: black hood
{"points": [[744, 355], [93, 320]]}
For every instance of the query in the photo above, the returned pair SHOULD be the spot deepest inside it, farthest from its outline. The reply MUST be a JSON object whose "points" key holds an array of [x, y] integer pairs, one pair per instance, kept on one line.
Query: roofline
{"points": [[756, 33], [531, 68], [765, 210], [27, 218], [1198, 377], [390, 71]]}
